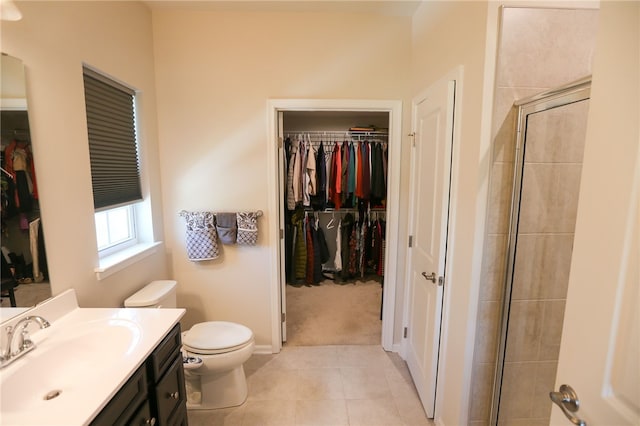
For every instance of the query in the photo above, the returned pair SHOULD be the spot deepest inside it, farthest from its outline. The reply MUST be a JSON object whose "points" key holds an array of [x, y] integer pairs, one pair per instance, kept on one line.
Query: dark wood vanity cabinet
{"points": [[155, 394], [167, 394]]}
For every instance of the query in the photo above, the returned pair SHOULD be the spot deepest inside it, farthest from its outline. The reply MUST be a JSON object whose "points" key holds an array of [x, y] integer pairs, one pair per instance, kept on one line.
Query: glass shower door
{"points": [[544, 206]]}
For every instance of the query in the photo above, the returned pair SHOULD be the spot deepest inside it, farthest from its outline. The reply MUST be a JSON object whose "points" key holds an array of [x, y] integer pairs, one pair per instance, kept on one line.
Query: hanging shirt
{"points": [[338, 259], [303, 170], [293, 153], [344, 184], [310, 175], [319, 200], [378, 187], [336, 176], [385, 155], [351, 186], [297, 171], [366, 171], [328, 155], [359, 177], [310, 253]]}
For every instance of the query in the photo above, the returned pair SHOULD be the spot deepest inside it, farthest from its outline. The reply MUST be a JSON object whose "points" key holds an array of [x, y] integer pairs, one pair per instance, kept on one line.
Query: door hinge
{"points": [[412, 135], [410, 240], [440, 281], [279, 141], [281, 233], [405, 332], [283, 316]]}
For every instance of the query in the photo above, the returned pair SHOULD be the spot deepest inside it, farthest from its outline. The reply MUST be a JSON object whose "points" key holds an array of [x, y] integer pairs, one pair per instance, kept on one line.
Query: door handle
{"points": [[568, 401], [431, 277]]}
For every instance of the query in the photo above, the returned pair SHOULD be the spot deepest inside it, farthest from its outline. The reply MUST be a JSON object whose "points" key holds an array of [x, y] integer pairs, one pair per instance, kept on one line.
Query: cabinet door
{"points": [[143, 416], [162, 357], [179, 417], [170, 391], [122, 406]]}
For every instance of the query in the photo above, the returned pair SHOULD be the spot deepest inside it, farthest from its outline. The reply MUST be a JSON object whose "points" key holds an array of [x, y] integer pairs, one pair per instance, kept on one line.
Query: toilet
{"points": [[214, 352]]}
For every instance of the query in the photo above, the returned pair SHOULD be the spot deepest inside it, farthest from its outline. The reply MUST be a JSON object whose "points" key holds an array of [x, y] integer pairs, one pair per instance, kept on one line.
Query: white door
{"points": [[600, 348], [431, 166], [282, 182]]}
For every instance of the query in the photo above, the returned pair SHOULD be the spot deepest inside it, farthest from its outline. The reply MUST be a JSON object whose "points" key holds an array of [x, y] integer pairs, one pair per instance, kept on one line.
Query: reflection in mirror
{"points": [[25, 277]]}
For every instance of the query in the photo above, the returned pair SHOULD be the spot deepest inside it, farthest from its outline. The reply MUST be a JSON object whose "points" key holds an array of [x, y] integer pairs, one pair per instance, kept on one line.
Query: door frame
{"points": [[455, 75], [276, 218]]}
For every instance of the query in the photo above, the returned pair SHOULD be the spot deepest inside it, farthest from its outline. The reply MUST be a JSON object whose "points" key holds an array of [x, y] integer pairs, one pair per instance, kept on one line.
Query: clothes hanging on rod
{"points": [[19, 189], [358, 252], [344, 175]]}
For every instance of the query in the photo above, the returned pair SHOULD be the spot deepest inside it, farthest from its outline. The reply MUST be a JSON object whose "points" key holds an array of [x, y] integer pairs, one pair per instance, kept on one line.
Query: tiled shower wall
{"points": [[539, 49]]}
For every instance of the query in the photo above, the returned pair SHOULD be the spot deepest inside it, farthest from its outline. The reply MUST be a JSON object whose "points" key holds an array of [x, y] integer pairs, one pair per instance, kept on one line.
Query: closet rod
{"points": [[346, 210], [316, 138], [349, 209], [336, 132]]}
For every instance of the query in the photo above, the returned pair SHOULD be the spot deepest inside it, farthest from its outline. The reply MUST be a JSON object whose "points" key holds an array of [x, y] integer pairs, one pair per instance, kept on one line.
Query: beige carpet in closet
{"points": [[334, 314]]}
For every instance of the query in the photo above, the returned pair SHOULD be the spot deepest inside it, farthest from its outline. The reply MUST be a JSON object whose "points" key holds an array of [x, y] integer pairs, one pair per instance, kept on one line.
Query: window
{"points": [[115, 167], [115, 228]]}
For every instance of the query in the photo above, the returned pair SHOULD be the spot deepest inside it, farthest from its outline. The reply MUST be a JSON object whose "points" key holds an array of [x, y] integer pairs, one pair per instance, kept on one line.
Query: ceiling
{"points": [[387, 8]]}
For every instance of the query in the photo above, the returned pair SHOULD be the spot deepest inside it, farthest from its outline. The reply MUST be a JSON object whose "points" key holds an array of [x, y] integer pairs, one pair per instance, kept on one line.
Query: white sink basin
{"points": [[64, 366]]}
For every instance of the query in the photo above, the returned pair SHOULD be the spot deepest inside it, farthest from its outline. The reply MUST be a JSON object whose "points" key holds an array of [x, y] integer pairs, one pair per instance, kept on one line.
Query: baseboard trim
{"points": [[397, 348], [263, 349]]}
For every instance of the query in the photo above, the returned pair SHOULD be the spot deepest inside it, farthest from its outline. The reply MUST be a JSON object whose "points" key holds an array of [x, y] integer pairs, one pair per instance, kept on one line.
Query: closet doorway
{"points": [[336, 282]]}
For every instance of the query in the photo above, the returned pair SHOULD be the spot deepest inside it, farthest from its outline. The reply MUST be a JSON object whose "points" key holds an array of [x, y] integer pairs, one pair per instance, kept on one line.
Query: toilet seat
{"points": [[216, 337]]}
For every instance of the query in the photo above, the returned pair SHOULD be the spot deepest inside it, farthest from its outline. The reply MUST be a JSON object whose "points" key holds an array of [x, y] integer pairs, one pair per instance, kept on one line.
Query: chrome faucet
{"points": [[25, 344]]}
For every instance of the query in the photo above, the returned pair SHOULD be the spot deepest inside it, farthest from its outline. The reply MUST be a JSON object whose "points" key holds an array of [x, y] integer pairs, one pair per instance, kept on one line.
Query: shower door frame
{"points": [[576, 91]]}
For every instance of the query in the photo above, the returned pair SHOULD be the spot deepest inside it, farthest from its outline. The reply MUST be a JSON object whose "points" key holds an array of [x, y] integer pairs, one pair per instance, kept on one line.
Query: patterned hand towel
{"points": [[201, 237], [247, 228]]}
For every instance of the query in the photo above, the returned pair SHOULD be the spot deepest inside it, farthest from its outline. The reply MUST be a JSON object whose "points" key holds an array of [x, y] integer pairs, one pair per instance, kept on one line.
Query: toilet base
{"points": [[216, 391]]}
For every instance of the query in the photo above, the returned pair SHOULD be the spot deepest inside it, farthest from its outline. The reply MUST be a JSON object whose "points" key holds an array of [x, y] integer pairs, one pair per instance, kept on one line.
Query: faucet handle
{"points": [[8, 334], [25, 340]]}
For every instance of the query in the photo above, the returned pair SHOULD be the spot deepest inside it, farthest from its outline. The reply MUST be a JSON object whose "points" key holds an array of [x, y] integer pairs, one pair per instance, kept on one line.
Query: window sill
{"points": [[118, 261]]}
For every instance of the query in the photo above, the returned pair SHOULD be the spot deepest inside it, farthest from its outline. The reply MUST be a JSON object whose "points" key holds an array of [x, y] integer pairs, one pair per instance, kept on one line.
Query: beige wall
{"points": [[447, 35], [213, 82], [525, 66], [54, 39]]}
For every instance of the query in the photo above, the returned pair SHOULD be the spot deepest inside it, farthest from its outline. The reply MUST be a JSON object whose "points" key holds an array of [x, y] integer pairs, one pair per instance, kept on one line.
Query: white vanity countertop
{"points": [[7, 313], [86, 354]]}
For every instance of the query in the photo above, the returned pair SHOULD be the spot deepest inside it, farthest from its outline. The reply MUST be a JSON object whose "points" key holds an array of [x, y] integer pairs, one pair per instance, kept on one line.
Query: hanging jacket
{"points": [[366, 171], [378, 186], [293, 152], [344, 184], [310, 252], [297, 171], [309, 184], [317, 253], [336, 177], [345, 242], [319, 200], [351, 185], [359, 192], [300, 251]]}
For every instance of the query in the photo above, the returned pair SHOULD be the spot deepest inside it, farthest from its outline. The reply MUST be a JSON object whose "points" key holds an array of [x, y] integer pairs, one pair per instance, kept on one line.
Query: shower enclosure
{"points": [[546, 181]]}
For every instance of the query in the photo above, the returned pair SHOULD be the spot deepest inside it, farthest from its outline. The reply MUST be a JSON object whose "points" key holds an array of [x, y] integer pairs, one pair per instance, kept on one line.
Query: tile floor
{"points": [[324, 385]]}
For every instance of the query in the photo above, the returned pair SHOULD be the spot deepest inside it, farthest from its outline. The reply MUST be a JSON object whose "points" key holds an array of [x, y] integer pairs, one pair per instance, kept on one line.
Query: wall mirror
{"points": [[25, 277]]}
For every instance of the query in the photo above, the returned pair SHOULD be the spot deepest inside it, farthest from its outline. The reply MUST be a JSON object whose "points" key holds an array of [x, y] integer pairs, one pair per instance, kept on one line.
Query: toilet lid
{"points": [[214, 336]]}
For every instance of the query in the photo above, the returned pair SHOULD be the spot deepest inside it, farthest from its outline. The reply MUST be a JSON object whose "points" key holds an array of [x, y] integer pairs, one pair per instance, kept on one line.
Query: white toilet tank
{"points": [[156, 294]]}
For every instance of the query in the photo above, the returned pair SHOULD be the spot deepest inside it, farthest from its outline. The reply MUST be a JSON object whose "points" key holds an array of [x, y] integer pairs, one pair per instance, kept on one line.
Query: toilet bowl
{"points": [[214, 352], [220, 381]]}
